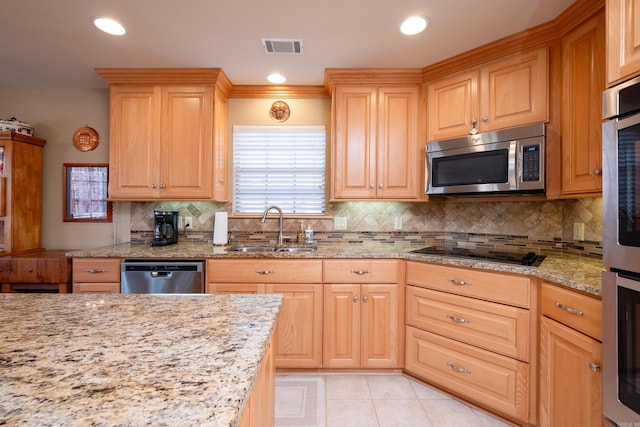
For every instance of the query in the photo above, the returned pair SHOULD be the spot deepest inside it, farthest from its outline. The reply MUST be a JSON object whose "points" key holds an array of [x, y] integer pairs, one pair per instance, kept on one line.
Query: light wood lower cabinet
{"points": [[298, 342], [360, 326], [96, 275], [469, 332], [362, 321], [497, 382], [570, 359], [260, 408]]}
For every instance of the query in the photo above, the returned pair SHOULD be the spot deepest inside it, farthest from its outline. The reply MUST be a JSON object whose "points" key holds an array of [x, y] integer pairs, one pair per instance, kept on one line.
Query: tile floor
{"points": [[369, 401]]}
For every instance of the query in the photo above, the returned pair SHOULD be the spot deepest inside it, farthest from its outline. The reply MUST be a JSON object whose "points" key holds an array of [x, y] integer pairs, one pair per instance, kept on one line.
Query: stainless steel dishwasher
{"points": [[162, 277]]}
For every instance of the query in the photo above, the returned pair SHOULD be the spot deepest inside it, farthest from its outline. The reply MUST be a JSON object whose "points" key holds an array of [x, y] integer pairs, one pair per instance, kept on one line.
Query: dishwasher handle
{"points": [[161, 274]]}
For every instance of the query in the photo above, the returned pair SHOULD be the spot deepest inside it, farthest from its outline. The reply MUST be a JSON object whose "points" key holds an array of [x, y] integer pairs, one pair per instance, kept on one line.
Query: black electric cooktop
{"points": [[486, 254]]}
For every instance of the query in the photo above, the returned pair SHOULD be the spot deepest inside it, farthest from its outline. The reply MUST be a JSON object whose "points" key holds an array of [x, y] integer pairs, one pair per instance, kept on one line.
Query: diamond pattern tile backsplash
{"points": [[550, 221]]}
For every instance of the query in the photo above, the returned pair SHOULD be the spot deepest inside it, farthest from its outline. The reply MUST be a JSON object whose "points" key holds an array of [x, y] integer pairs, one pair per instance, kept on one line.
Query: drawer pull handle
{"points": [[265, 272], [458, 319], [594, 367], [459, 370], [569, 309], [459, 282], [94, 271], [361, 272]]}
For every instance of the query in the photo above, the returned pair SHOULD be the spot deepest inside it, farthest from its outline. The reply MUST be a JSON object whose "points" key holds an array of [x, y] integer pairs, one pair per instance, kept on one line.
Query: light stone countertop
{"points": [[131, 360], [573, 271]]}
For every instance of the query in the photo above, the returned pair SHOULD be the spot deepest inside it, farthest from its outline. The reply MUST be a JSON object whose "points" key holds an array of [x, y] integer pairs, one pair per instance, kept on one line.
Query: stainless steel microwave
{"points": [[500, 162]]}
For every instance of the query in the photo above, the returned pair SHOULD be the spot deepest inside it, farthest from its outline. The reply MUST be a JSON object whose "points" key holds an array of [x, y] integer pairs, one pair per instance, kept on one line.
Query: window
{"points": [[85, 193], [279, 165]]}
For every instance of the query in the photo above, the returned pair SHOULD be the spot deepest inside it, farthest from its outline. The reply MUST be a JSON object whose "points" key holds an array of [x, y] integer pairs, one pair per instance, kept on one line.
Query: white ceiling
{"points": [[52, 44]]}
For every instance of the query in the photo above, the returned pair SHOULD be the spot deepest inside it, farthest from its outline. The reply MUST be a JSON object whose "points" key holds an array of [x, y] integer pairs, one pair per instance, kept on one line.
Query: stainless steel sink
{"points": [[254, 249], [274, 249], [298, 249]]}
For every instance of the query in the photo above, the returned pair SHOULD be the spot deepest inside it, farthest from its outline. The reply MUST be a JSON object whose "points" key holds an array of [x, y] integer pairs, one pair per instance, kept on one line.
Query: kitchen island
{"points": [[131, 359]]}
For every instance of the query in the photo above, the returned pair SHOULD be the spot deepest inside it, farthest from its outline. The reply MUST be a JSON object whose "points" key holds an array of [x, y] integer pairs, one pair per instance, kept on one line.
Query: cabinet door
{"points": [[299, 328], [134, 150], [623, 39], [514, 91], [379, 326], [583, 80], [341, 342], [452, 105], [570, 377], [187, 143], [353, 174], [397, 143]]}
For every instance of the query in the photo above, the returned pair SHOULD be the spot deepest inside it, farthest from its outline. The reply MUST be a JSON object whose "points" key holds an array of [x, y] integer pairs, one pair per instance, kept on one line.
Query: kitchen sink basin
{"points": [[274, 249], [298, 249], [254, 249]]}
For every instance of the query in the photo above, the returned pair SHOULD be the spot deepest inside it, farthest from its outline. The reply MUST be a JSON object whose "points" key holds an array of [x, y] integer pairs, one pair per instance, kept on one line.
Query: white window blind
{"points": [[279, 165]]}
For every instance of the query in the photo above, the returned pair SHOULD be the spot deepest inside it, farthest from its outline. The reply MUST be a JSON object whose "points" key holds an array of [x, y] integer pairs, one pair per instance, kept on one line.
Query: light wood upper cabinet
{"points": [[583, 80], [623, 40], [509, 92], [163, 144], [375, 142]]}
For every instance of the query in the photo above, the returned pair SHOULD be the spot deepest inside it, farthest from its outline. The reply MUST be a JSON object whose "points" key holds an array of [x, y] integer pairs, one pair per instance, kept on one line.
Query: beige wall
{"points": [[55, 116]]}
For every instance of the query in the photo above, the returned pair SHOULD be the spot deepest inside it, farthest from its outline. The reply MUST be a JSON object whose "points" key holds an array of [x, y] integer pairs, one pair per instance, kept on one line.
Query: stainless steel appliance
{"points": [[504, 161], [621, 253], [162, 277], [165, 228]]}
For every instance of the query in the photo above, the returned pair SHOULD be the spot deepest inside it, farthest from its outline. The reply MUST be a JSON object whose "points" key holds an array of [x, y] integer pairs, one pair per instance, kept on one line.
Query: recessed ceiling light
{"points": [[108, 25], [276, 78], [414, 25]]}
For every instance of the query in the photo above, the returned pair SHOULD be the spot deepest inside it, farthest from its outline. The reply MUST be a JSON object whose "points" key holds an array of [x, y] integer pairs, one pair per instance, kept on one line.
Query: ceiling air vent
{"points": [[282, 46]]}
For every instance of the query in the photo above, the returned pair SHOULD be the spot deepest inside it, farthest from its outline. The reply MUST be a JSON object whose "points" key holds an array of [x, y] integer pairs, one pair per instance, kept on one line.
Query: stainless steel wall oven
{"points": [[621, 253]]}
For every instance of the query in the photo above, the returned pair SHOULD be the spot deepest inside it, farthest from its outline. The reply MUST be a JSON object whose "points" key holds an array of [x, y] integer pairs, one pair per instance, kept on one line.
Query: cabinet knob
{"points": [[30, 269], [372, 186], [597, 172], [381, 186], [485, 118], [594, 367], [162, 186], [365, 298], [355, 299], [153, 185]]}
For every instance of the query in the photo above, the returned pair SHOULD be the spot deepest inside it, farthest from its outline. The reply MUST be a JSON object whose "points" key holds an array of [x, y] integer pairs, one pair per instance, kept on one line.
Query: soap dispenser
{"points": [[308, 235], [301, 235]]}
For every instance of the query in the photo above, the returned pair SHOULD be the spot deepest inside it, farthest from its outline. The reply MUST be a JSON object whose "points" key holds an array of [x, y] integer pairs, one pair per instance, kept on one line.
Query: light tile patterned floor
{"points": [[369, 401]]}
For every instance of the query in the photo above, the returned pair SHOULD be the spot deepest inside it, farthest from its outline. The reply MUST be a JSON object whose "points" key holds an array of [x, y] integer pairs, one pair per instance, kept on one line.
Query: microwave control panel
{"points": [[531, 163]]}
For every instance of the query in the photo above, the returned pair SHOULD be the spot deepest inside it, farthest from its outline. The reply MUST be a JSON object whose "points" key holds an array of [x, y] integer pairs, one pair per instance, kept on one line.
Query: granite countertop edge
{"points": [[581, 273]]}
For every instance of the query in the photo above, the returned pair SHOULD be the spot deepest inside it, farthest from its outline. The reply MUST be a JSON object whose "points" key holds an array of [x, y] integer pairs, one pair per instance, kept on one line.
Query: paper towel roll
{"points": [[220, 228]]}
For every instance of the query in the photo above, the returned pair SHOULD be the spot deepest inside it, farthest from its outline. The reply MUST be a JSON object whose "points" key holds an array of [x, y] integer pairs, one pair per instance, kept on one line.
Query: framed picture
{"points": [[85, 192]]}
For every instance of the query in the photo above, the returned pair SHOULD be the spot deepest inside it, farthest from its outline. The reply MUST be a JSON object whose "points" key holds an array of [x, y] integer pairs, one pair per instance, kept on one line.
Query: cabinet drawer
{"points": [[360, 271], [500, 383], [264, 271], [497, 287], [495, 327], [35, 270], [96, 270], [575, 310], [96, 288]]}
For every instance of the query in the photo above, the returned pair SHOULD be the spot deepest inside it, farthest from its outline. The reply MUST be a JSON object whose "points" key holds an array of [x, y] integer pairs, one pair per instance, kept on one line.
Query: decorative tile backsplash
{"points": [[546, 224]]}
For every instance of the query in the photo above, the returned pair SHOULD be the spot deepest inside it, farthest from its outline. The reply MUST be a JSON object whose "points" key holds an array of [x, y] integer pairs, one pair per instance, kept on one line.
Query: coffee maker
{"points": [[165, 228]]}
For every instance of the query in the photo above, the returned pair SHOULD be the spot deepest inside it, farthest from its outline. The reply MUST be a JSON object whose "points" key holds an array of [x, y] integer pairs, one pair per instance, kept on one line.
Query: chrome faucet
{"points": [[264, 218]]}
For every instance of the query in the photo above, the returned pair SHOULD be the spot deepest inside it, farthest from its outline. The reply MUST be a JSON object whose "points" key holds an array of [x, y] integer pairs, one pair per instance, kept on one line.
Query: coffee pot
{"points": [[165, 228]]}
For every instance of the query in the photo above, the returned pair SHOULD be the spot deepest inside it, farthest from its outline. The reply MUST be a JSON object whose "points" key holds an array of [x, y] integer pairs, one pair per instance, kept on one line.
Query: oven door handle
{"points": [[569, 309]]}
